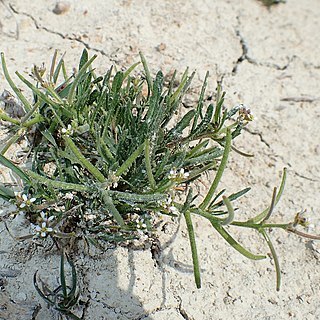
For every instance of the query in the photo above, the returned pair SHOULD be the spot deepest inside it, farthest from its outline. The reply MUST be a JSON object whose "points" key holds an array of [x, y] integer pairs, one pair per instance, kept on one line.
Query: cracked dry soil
{"points": [[266, 58]]}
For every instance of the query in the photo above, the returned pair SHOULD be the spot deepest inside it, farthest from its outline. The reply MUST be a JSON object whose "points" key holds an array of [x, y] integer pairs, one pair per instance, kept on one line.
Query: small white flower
{"points": [[68, 196], [26, 201], [178, 176], [89, 216], [173, 210], [140, 223], [245, 114], [183, 174], [114, 179], [172, 174], [44, 218], [67, 132], [42, 230], [134, 112], [168, 205]]}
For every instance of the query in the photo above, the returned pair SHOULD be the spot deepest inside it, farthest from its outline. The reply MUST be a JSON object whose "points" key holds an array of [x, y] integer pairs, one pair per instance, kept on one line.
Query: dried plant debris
{"points": [[12, 106]]}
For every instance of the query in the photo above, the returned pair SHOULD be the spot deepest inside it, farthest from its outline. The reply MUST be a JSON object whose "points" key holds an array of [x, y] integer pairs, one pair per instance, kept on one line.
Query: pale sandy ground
{"points": [[269, 60]]}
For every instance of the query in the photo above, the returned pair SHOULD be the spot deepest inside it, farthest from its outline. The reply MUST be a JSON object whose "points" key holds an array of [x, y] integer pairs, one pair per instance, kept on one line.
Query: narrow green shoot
{"points": [[230, 216], [234, 244], [275, 258], [85, 163], [9, 164], [16, 90], [148, 165], [264, 213], [127, 164], [78, 79], [220, 171], [195, 260]]}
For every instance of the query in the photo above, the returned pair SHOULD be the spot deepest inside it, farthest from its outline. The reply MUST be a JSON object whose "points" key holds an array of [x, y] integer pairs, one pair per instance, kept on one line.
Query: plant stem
{"points": [[219, 173], [194, 252], [275, 258], [57, 184]]}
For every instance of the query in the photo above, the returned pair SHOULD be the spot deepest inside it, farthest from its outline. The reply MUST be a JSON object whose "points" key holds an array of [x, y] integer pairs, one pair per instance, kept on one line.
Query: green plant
{"points": [[110, 156], [63, 298], [269, 3]]}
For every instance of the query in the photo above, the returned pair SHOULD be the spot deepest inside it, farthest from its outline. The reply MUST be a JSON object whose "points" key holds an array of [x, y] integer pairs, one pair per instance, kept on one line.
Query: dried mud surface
{"points": [[266, 58]]}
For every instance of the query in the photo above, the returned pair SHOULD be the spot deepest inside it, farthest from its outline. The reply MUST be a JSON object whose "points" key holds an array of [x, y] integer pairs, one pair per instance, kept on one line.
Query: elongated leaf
{"points": [[230, 216], [200, 102], [182, 88], [195, 260], [148, 165], [57, 184], [187, 216], [126, 74], [84, 59], [78, 78], [197, 148], [36, 91], [225, 235], [264, 213], [203, 125], [111, 207], [73, 290], [7, 163], [63, 276], [85, 163], [42, 295], [219, 173], [127, 164], [180, 126], [135, 197], [58, 69], [13, 139], [49, 137], [147, 72], [275, 258], [6, 193], [13, 86], [231, 197], [53, 65]]}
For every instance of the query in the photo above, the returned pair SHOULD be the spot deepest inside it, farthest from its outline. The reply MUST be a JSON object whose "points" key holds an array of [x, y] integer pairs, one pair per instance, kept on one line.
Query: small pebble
{"points": [[161, 47], [61, 7]]}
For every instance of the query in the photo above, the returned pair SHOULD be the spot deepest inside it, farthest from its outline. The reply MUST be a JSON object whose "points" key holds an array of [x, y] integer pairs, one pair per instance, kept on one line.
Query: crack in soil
{"points": [[305, 177], [86, 305], [302, 98], [245, 54], [61, 35], [182, 311], [256, 133], [294, 171]]}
